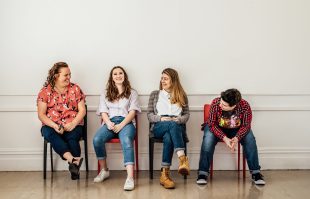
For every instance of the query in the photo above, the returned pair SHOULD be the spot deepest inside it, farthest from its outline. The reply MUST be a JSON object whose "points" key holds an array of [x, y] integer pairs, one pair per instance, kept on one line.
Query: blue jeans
{"points": [[208, 145], [67, 142], [172, 135], [126, 136]]}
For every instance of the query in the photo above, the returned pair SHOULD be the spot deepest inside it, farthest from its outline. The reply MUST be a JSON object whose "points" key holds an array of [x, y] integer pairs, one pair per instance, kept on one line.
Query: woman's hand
{"points": [[165, 119], [110, 125], [118, 127], [70, 126], [175, 119], [58, 128]]}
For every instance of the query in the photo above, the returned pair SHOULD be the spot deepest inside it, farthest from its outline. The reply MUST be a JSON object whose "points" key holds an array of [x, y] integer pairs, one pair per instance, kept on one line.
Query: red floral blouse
{"points": [[62, 108]]}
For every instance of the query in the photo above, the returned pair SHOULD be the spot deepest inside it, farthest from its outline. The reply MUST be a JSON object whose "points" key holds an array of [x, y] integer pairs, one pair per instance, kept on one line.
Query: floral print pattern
{"points": [[62, 108]]}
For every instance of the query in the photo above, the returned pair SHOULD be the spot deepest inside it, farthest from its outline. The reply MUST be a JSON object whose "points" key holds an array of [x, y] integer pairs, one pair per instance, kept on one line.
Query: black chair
{"points": [[152, 141], [84, 138]]}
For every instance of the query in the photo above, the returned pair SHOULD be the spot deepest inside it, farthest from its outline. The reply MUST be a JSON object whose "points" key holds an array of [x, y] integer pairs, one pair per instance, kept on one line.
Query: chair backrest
{"points": [[206, 111]]}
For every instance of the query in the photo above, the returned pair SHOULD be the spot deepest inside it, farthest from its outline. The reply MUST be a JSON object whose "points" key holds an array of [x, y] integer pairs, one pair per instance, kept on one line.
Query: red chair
{"points": [[117, 140], [206, 116]]}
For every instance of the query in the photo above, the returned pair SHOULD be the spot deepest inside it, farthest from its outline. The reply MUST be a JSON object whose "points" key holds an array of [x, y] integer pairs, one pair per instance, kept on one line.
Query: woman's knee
{"points": [[167, 139], [98, 140], [47, 132], [127, 143]]}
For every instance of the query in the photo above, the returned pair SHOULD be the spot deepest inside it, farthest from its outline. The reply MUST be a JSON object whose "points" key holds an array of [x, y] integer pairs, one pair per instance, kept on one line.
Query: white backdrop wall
{"points": [[261, 47]]}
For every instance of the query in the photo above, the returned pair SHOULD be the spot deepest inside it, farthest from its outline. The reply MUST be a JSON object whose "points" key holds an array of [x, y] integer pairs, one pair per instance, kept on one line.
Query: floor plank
{"points": [[225, 184]]}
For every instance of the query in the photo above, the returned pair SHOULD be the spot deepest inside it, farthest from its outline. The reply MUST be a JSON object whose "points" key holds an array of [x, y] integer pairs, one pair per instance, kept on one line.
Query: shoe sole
{"points": [[129, 189], [102, 180], [75, 170], [183, 172], [201, 183], [259, 183], [166, 186]]}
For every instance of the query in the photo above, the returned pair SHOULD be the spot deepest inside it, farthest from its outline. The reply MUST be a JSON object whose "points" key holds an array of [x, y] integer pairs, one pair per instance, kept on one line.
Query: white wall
{"points": [[261, 47]]}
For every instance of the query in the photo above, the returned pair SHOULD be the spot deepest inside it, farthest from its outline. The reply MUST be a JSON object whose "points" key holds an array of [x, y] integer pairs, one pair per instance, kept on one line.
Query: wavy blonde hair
{"points": [[178, 95], [53, 72], [112, 91]]}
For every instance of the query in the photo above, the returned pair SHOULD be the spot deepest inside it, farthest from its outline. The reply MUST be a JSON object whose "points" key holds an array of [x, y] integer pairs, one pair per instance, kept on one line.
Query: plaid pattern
{"points": [[242, 110]]}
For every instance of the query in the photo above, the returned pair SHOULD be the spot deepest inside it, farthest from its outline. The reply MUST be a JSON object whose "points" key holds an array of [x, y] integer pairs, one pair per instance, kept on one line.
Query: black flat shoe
{"points": [[75, 169], [80, 163]]}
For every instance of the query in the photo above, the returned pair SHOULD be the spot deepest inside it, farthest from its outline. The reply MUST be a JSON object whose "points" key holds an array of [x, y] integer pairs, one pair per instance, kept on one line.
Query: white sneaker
{"points": [[102, 176], [129, 184]]}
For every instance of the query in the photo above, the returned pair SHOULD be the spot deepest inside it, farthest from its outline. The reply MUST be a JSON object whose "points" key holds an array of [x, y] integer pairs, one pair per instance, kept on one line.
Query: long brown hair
{"points": [[178, 95], [112, 91], [53, 72]]}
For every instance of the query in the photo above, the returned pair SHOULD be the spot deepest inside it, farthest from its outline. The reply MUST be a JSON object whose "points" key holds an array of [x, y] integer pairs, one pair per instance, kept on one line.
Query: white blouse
{"points": [[120, 107], [164, 106]]}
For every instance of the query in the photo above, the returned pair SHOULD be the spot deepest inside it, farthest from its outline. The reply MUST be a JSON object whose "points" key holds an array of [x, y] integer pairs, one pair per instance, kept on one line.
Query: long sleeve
{"points": [[151, 108], [213, 120], [246, 120]]}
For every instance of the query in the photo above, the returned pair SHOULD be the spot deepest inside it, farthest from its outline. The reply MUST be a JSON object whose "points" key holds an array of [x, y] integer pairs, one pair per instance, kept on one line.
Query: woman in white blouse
{"points": [[117, 109], [168, 112]]}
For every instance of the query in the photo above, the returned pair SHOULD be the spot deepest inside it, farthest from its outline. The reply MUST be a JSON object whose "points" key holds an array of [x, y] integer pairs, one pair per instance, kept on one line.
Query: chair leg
{"points": [[137, 153], [44, 159], [185, 151], [51, 154], [244, 163], [151, 157], [86, 155], [238, 158], [98, 167]]}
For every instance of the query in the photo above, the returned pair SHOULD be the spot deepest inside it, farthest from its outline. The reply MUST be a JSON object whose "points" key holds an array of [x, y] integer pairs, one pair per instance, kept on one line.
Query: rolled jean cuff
{"points": [[179, 149], [205, 173], [254, 171], [165, 164], [101, 158], [62, 154], [129, 163]]}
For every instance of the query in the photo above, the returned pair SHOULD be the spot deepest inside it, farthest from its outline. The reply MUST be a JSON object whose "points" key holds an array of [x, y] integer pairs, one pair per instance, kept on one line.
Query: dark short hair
{"points": [[231, 96]]}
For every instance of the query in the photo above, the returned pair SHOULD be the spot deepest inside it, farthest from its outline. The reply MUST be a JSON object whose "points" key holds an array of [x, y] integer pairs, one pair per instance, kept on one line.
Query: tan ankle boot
{"points": [[183, 165], [165, 179]]}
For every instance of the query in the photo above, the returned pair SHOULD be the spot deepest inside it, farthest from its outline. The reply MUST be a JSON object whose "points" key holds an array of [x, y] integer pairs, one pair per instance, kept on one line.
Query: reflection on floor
{"points": [[225, 184]]}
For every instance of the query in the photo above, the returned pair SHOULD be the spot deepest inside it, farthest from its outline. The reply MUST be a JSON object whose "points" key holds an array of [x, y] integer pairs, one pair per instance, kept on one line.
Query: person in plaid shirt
{"points": [[230, 121]]}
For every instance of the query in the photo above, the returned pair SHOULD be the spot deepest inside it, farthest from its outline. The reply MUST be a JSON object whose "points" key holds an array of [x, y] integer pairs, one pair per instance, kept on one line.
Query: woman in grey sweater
{"points": [[168, 112]]}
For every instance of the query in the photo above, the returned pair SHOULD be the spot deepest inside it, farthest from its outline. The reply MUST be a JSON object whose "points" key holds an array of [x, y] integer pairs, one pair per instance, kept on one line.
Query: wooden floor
{"points": [[225, 184]]}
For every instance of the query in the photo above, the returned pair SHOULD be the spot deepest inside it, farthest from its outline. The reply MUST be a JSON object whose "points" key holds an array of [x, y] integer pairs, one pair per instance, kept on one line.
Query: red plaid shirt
{"points": [[242, 110]]}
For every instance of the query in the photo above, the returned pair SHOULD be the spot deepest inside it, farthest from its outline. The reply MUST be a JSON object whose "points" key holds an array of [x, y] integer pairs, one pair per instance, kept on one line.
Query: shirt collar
{"points": [[166, 93]]}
